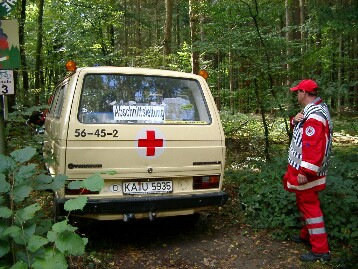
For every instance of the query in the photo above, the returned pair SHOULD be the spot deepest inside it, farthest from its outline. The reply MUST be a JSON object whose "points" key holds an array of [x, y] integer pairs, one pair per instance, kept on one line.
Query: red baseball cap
{"points": [[307, 85]]}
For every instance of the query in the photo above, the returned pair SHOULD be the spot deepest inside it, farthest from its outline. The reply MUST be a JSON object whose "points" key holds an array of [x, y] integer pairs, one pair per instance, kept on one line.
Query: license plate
{"points": [[147, 187]]}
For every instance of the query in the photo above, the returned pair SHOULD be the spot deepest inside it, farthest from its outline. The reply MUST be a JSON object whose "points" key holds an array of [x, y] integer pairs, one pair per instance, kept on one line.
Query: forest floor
{"points": [[219, 239]]}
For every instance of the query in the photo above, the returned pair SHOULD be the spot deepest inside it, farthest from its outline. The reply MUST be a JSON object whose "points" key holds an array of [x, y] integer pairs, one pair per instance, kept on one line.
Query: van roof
{"points": [[137, 71]]}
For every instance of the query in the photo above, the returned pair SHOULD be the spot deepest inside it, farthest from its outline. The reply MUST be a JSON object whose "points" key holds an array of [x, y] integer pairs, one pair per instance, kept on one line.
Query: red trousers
{"points": [[313, 225]]}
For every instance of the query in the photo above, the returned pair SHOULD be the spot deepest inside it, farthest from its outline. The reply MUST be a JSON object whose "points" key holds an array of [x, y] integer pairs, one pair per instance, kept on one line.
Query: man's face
{"points": [[301, 96]]}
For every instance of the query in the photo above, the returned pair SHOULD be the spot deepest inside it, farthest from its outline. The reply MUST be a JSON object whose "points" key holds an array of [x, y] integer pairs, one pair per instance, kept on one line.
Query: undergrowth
{"points": [[267, 205]]}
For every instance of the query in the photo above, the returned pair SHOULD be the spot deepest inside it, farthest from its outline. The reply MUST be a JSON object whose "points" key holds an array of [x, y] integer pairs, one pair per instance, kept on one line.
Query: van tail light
{"points": [[79, 191], [206, 182]]}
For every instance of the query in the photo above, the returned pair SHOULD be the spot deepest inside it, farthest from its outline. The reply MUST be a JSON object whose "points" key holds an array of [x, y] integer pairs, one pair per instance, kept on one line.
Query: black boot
{"points": [[312, 256], [297, 239]]}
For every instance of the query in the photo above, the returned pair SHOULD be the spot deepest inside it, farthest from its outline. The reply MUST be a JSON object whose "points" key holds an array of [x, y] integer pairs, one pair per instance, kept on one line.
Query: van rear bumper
{"points": [[134, 204]]}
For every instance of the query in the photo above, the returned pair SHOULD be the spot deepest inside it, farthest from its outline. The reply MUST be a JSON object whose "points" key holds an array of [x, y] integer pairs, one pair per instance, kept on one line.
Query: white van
{"points": [[158, 130]]}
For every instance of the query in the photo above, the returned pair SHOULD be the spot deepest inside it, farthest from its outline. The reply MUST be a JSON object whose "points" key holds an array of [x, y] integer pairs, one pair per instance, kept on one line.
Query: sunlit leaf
{"points": [[93, 183], [70, 243], [21, 192], [24, 173], [51, 236], [28, 212], [43, 179], [6, 163], [62, 226], [77, 203], [23, 155], [75, 185]]}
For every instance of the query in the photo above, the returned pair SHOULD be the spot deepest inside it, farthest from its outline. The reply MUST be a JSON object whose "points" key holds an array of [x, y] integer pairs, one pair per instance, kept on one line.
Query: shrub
{"points": [[27, 238], [266, 203], [340, 202]]}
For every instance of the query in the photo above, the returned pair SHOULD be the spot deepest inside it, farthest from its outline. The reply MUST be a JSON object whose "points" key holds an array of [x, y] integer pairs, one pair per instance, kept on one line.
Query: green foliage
{"points": [[238, 124], [243, 126], [266, 203], [27, 238], [340, 201], [23, 135]]}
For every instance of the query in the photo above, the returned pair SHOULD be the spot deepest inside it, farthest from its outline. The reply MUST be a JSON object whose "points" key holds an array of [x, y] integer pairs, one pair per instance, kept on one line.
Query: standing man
{"points": [[307, 167]]}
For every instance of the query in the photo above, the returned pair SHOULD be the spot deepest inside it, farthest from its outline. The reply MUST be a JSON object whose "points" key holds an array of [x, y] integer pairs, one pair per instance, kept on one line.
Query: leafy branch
{"points": [[27, 238]]}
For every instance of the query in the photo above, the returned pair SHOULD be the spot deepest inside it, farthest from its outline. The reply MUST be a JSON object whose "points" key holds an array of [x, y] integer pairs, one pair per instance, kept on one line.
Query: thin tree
{"points": [[38, 57], [167, 42], [194, 35], [138, 33], [254, 13], [25, 73]]}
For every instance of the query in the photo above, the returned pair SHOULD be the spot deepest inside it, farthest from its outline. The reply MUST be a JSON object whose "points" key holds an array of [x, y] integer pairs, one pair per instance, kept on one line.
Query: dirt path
{"points": [[215, 241]]}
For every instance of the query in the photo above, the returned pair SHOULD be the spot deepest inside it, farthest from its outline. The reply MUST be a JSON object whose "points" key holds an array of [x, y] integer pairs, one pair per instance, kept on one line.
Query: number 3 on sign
{"points": [[6, 82], [4, 89]]}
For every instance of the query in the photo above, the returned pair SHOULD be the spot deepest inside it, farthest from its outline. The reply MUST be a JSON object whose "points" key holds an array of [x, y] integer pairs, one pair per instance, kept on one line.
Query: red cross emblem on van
{"points": [[150, 142]]}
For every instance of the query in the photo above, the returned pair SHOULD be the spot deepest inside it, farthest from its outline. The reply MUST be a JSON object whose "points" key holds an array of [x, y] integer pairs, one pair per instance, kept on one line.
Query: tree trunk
{"points": [[261, 106], [167, 42], [125, 32], [112, 41], [25, 73], [289, 37], [194, 21], [354, 88], [302, 22], [137, 25], [177, 27], [231, 82], [216, 64], [38, 65], [158, 25]]}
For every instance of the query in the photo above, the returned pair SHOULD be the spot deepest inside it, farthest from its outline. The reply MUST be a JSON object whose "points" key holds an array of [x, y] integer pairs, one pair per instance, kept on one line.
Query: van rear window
{"points": [[140, 99]]}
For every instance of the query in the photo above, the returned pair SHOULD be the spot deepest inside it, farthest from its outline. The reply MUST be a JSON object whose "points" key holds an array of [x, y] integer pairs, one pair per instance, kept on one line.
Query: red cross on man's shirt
{"points": [[150, 143]]}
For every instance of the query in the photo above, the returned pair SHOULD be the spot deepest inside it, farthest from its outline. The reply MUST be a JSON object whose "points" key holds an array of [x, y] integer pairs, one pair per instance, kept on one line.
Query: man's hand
{"points": [[302, 179], [298, 118]]}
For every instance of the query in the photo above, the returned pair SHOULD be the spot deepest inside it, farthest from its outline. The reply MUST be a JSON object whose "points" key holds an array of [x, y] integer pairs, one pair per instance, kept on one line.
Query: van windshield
{"points": [[141, 99]]}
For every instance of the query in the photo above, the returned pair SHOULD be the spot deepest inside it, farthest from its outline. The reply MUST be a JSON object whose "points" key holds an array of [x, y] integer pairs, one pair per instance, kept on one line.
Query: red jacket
{"points": [[310, 149]]}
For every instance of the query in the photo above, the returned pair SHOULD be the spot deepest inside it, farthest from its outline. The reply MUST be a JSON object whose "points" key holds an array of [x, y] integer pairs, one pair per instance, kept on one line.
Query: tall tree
{"points": [[194, 34], [24, 73], [167, 42], [38, 67], [138, 33]]}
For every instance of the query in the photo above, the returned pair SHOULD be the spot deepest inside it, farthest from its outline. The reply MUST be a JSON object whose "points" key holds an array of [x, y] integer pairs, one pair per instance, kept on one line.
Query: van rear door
{"points": [[145, 125]]}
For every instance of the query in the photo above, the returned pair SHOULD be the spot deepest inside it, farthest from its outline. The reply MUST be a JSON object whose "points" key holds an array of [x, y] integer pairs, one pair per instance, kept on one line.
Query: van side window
{"points": [[57, 102], [119, 98]]}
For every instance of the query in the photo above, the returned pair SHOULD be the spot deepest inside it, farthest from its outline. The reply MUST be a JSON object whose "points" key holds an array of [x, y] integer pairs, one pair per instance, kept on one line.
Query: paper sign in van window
{"points": [[184, 122], [145, 113]]}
